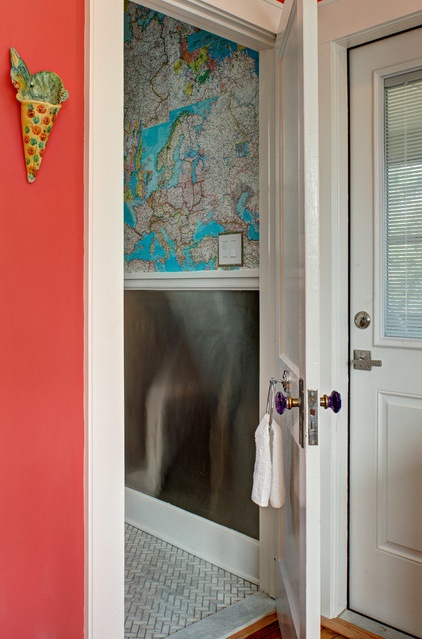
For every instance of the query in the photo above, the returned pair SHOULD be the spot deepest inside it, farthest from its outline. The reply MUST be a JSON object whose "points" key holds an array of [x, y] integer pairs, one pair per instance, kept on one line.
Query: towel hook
{"points": [[271, 397], [270, 400]]}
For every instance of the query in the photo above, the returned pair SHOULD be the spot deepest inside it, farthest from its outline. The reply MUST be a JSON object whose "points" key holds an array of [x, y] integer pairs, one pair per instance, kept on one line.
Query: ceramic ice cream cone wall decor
{"points": [[41, 96]]}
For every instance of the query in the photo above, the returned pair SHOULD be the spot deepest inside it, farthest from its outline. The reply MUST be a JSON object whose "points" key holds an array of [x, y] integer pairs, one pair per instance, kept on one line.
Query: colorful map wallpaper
{"points": [[190, 144]]}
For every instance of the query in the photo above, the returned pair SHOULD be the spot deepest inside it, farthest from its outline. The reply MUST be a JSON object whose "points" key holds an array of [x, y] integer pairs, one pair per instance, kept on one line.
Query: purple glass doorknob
{"points": [[332, 401], [280, 403]]}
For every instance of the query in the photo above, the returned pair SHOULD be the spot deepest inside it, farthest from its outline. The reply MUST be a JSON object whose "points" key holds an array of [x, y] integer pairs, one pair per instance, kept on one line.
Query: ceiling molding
{"points": [[223, 23]]}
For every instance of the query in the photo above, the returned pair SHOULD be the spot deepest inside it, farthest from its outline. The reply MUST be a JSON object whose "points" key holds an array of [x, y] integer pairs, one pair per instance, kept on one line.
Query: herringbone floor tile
{"points": [[167, 589]]}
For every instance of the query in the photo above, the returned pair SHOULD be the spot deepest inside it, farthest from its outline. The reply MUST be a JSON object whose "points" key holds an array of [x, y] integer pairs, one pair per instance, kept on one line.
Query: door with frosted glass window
{"points": [[385, 560]]}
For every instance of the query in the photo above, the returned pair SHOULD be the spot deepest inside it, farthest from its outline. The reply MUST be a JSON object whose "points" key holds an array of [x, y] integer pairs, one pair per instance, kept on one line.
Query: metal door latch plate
{"points": [[312, 418]]}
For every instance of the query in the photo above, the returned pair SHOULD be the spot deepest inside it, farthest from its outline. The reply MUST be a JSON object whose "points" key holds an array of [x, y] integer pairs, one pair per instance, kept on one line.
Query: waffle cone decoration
{"points": [[37, 120], [40, 95]]}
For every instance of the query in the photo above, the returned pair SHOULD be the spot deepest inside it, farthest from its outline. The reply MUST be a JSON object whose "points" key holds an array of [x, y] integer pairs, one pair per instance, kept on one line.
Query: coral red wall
{"points": [[41, 339]]}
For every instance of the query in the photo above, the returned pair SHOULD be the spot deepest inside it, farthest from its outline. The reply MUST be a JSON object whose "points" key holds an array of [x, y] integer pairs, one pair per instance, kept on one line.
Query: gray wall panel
{"points": [[191, 380]]}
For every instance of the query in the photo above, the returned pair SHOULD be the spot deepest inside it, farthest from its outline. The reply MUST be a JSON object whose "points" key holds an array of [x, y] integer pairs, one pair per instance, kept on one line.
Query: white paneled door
{"points": [[385, 561], [296, 343]]}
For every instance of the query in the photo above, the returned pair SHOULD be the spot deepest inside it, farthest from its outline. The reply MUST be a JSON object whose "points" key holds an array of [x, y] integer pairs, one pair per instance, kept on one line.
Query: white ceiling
{"points": [[263, 13]]}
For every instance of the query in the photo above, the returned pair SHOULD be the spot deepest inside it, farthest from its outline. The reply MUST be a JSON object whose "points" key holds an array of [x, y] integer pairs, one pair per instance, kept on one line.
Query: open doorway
{"points": [[191, 328], [104, 383]]}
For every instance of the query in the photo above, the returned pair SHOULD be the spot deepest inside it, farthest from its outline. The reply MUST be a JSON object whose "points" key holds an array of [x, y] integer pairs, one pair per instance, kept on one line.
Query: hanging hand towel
{"points": [[278, 487], [262, 471]]}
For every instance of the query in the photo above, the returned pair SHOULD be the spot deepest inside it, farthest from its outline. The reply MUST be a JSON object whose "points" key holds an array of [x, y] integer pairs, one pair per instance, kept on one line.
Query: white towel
{"points": [[262, 471], [278, 488], [268, 476]]}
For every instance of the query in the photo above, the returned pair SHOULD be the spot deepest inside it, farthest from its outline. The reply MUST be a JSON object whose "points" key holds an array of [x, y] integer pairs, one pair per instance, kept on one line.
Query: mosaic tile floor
{"points": [[168, 589]]}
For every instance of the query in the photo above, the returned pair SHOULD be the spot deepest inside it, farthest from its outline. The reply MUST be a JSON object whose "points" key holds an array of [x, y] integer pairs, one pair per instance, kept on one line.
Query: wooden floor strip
{"points": [[267, 628], [329, 634], [254, 631], [346, 629]]}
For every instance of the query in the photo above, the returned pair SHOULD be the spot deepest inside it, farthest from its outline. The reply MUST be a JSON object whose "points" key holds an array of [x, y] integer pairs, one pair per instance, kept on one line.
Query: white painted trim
{"points": [[342, 24], [221, 546], [354, 22], [208, 280], [104, 524], [254, 29], [379, 202], [378, 79], [334, 323], [104, 321], [268, 207]]}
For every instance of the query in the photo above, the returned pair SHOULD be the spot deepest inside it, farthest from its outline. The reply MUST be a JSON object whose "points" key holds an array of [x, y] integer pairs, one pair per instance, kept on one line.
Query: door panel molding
{"points": [[399, 413]]}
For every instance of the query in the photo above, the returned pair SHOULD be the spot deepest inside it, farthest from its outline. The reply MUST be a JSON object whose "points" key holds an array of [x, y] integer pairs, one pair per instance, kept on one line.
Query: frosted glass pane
{"points": [[403, 206]]}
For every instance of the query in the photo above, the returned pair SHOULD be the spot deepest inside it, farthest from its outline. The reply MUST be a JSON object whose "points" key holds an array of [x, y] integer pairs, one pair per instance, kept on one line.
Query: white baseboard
{"points": [[217, 544]]}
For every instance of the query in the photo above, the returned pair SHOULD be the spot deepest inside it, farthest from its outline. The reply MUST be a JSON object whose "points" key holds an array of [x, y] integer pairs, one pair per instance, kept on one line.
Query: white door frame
{"points": [[104, 511], [342, 24], [104, 449]]}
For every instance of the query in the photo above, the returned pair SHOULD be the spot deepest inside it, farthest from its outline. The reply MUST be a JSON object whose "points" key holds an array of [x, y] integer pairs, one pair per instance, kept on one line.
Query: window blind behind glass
{"points": [[403, 206]]}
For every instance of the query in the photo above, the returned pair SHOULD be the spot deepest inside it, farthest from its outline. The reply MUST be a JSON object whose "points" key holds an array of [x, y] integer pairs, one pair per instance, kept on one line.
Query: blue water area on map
{"points": [[241, 209], [156, 138], [127, 27], [170, 137], [170, 265], [170, 243], [129, 216], [143, 18], [178, 160], [195, 163], [205, 266], [248, 216], [147, 248], [219, 48], [189, 265], [253, 232], [242, 149], [207, 229], [194, 166]]}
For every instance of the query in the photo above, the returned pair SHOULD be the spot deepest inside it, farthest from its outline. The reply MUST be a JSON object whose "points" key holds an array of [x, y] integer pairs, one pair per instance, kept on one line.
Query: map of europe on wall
{"points": [[190, 145]]}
